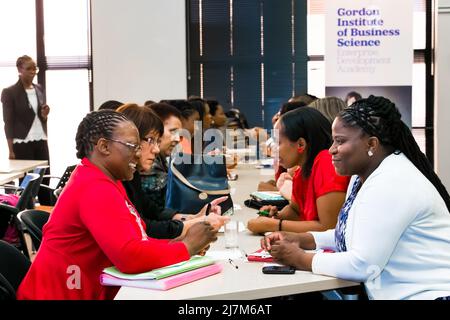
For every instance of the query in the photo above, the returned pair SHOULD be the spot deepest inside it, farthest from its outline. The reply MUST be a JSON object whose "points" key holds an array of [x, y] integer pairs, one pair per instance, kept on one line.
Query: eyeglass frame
{"points": [[135, 147], [152, 141]]}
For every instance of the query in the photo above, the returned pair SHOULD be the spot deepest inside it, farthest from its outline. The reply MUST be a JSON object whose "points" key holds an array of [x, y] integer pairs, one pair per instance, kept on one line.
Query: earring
{"points": [[370, 153], [300, 149]]}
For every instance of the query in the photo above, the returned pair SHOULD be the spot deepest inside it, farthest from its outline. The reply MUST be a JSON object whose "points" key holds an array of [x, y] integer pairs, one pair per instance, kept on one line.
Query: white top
{"points": [[36, 131], [397, 236]]}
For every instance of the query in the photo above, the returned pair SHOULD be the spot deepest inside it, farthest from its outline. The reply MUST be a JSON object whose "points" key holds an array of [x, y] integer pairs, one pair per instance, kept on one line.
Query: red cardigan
{"points": [[93, 226]]}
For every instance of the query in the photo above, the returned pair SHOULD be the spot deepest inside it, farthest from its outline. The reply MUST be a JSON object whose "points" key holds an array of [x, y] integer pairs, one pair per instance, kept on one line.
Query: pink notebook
{"points": [[165, 283]]}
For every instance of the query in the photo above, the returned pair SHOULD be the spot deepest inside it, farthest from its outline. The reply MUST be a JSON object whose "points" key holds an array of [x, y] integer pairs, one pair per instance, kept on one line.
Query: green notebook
{"points": [[191, 264]]}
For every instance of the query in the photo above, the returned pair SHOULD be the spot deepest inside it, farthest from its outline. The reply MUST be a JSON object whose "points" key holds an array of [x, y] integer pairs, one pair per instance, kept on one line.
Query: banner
{"points": [[369, 50]]}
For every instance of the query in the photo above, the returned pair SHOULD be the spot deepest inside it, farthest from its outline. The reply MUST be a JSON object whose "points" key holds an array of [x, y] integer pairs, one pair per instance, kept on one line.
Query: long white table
{"points": [[7, 177], [248, 281], [10, 166]]}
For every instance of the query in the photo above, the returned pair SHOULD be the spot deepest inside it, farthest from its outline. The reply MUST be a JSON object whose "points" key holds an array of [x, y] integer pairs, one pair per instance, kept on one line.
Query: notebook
{"points": [[165, 283], [191, 264], [267, 195]]}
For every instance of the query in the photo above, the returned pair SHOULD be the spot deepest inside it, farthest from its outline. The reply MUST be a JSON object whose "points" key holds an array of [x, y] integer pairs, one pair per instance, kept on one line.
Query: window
{"points": [[248, 54], [64, 60]]}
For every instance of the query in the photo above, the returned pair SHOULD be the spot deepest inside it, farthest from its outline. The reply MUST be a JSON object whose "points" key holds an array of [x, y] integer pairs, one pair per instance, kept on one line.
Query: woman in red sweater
{"points": [[317, 191], [94, 225]]}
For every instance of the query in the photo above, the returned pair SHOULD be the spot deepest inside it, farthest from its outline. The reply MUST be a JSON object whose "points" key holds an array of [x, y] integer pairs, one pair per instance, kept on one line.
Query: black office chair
{"points": [[34, 220], [18, 190], [8, 214], [13, 268], [61, 183]]}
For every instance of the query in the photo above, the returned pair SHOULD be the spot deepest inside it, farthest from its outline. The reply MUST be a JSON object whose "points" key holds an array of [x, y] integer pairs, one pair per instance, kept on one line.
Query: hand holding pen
{"points": [[268, 211]]}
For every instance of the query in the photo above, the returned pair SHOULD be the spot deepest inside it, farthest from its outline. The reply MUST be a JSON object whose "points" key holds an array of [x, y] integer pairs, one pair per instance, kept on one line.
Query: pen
{"points": [[232, 263], [263, 213]]}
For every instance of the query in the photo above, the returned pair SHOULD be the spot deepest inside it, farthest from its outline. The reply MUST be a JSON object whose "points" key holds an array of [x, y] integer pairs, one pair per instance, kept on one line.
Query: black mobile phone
{"points": [[208, 208], [278, 270]]}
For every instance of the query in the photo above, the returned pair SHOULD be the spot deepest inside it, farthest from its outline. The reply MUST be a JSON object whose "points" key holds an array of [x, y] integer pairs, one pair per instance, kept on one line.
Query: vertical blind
{"points": [[247, 54]]}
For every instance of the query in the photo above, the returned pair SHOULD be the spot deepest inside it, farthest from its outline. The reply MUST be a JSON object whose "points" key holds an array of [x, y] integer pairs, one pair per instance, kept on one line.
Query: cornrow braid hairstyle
{"points": [[379, 117], [96, 125]]}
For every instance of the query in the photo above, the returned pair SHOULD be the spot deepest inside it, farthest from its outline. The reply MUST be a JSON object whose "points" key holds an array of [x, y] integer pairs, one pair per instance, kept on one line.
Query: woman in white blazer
{"points": [[393, 231]]}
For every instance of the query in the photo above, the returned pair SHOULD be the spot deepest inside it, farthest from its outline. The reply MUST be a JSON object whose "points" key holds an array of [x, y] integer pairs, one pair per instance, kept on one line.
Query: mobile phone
{"points": [[208, 208], [278, 270]]}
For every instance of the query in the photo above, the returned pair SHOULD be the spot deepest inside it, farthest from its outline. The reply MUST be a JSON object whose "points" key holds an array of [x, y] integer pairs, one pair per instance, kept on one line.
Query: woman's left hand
{"points": [[215, 208], [262, 224]]}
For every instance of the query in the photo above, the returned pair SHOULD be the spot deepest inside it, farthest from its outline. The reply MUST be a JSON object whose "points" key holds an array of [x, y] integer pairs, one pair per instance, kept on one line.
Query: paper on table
{"points": [[225, 254]]}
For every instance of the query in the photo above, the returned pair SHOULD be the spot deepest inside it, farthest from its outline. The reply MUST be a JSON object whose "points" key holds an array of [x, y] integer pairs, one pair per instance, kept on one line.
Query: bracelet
{"points": [[279, 224]]}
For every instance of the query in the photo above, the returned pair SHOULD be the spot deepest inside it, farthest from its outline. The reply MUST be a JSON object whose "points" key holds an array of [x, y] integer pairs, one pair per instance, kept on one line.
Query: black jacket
{"points": [[17, 114], [161, 229]]}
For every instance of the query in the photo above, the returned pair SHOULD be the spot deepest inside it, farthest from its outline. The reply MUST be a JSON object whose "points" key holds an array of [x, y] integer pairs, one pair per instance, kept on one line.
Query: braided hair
{"points": [[379, 117], [96, 125]]}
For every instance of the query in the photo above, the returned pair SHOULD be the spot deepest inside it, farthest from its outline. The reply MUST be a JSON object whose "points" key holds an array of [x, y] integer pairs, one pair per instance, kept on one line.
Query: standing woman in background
{"points": [[25, 115]]}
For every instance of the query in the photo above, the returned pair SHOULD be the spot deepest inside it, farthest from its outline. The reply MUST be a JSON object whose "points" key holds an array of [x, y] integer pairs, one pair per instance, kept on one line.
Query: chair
{"points": [[61, 183], [40, 170], [13, 268], [8, 214], [34, 220]]}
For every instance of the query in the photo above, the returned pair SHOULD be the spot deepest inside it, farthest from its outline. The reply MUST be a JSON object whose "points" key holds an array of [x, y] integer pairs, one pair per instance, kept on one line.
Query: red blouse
{"points": [[323, 179], [93, 226]]}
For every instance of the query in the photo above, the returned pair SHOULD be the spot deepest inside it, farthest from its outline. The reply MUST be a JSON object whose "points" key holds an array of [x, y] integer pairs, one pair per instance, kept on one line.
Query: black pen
{"points": [[232, 263]]}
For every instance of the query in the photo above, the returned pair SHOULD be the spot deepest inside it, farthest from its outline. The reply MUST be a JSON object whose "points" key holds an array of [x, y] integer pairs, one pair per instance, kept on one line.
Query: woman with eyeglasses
{"points": [[151, 129], [25, 113], [94, 224]]}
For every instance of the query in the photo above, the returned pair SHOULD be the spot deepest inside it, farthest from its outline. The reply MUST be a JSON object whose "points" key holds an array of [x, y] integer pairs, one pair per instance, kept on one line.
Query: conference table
{"points": [[14, 169], [8, 177], [14, 166], [247, 281]]}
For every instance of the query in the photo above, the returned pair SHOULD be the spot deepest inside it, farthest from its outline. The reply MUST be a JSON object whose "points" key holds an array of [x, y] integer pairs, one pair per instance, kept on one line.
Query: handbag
{"points": [[196, 181]]}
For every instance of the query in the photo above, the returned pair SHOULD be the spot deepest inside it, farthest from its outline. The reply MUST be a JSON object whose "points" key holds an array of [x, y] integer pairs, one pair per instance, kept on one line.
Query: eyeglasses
{"points": [[135, 147], [152, 141], [32, 68]]}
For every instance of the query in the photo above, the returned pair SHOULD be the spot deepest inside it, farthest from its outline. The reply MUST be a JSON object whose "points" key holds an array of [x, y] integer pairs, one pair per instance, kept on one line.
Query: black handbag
{"points": [[196, 181]]}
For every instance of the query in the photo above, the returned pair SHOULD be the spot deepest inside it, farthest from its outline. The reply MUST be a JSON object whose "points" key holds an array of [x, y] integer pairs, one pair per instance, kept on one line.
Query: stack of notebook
{"points": [[163, 278]]}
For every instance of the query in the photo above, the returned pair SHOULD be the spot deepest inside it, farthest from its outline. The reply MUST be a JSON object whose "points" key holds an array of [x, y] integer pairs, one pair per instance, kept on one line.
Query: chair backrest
{"points": [[65, 177], [30, 192], [34, 220], [13, 268], [41, 170]]}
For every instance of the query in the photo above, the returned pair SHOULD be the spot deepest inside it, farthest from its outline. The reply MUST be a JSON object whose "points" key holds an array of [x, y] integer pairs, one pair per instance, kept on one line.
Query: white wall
{"points": [[139, 50], [442, 94]]}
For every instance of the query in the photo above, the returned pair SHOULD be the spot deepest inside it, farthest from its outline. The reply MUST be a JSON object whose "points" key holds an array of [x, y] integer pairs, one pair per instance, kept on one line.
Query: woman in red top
{"points": [[317, 191], [94, 225]]}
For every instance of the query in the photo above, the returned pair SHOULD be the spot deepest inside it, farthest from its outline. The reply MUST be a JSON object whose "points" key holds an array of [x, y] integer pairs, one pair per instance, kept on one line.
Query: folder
{"points": [[191, 264], [164, 283]]}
